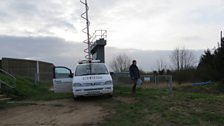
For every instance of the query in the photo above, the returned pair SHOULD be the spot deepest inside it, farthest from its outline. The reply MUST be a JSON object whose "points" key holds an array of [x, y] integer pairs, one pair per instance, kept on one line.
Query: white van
{"points": [[90, 79]]}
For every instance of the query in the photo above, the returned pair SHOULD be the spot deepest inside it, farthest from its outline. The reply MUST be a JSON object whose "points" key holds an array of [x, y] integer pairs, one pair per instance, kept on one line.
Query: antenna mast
{"points": [[85, 30], [222, 40]]}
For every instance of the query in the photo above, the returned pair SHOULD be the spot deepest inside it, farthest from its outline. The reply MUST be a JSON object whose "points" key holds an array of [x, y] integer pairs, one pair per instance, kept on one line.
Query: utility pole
{"points": [[222, 40]]}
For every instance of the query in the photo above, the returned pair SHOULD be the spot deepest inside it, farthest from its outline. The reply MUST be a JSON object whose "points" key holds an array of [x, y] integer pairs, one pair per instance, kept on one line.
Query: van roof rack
{"points": [[89, 61]]}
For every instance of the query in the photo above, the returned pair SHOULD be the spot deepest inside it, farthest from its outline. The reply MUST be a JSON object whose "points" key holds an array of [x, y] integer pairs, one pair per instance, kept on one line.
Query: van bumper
{"points": [[92, 91]]}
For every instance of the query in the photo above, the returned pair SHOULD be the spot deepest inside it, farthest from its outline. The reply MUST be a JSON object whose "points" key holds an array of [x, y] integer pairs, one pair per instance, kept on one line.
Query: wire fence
{"points": [[149, 81]]}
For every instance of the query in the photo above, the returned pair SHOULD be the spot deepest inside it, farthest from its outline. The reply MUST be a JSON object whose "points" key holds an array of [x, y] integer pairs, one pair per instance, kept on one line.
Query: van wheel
{"points": [[75, 98], [110, 95]]}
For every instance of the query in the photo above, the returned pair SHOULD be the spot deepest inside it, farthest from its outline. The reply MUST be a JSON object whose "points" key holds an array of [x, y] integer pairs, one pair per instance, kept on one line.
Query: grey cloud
{"points": [[23, 7], [168, 17], [41, 15], [62, 24], [191, 38], [48, 49], [60, 52]]}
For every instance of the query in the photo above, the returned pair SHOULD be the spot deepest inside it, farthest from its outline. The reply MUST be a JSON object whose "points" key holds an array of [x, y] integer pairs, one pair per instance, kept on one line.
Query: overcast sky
{"points": [[139, 25], [65, 53]]}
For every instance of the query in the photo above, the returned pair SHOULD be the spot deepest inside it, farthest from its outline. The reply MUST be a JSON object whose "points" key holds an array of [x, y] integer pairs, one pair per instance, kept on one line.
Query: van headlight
{"points": [[108, 83], [77, 84]]}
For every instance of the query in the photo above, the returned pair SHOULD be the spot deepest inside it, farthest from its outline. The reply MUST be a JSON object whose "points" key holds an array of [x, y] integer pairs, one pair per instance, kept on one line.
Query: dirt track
{"points": [[53, 113]]}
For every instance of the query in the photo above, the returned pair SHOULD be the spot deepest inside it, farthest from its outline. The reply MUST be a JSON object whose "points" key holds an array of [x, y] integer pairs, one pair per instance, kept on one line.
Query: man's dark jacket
{"points": [[134, 72]]}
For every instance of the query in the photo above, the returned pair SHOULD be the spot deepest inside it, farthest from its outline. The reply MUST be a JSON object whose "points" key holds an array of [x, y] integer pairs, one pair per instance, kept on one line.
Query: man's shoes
{"points": [[133, 94]]}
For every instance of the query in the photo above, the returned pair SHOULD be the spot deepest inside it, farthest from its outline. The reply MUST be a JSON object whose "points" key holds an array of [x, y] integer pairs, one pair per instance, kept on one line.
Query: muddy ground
{"points": [[65, 112]]}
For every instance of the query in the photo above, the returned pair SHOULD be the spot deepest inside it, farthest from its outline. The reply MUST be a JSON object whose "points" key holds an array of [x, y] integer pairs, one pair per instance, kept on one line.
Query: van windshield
{"points": [[91, 69]]}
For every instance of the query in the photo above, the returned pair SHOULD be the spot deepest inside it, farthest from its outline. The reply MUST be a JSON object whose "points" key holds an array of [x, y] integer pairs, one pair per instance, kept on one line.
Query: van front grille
{"points": [[93, 84], [94, 89]]}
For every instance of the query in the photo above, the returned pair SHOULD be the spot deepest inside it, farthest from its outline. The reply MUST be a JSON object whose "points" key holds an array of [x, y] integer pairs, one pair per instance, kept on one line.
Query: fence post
{"points": [[116, 79], [38, 72], [170, 84], [155, 79]]}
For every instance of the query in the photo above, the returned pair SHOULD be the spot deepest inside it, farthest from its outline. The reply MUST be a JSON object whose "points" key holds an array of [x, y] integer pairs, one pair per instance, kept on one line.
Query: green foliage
{"points": [[7, 79], [27, 90], [211, 65], [5, 88]]}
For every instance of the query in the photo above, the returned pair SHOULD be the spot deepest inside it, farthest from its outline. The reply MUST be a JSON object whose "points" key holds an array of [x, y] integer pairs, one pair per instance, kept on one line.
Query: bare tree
{"points": [[161, 65], [182, 58], [120, 63]]}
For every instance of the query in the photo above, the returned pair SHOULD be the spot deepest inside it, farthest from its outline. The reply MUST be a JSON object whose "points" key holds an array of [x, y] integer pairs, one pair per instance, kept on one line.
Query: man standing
{"points": [[134, 73]]}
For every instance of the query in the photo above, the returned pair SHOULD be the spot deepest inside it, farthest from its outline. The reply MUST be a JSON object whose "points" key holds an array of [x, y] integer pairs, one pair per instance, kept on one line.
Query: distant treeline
{"points": [[211, 66]]}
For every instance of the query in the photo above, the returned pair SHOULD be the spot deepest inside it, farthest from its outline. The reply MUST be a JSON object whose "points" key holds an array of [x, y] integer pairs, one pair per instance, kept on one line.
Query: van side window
{"points": [[62, 72]]}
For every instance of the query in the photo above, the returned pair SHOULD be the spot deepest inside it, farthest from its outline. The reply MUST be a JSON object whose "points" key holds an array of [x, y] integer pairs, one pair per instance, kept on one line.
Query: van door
{"points": [[62, 80]]}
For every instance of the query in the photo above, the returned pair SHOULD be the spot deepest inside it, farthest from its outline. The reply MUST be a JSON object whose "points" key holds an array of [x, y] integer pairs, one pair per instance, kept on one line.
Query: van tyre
{"points": [[110, 95], [75, 98]]}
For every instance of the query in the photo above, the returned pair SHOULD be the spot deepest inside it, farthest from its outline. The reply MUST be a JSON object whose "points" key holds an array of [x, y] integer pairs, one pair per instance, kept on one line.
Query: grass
{"points": [[26, 92], [187, 105], [157, 107]]}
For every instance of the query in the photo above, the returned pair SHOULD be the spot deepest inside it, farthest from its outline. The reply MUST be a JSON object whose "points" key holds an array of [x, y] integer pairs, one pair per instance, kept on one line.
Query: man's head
{"points": [[134, 62]]}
